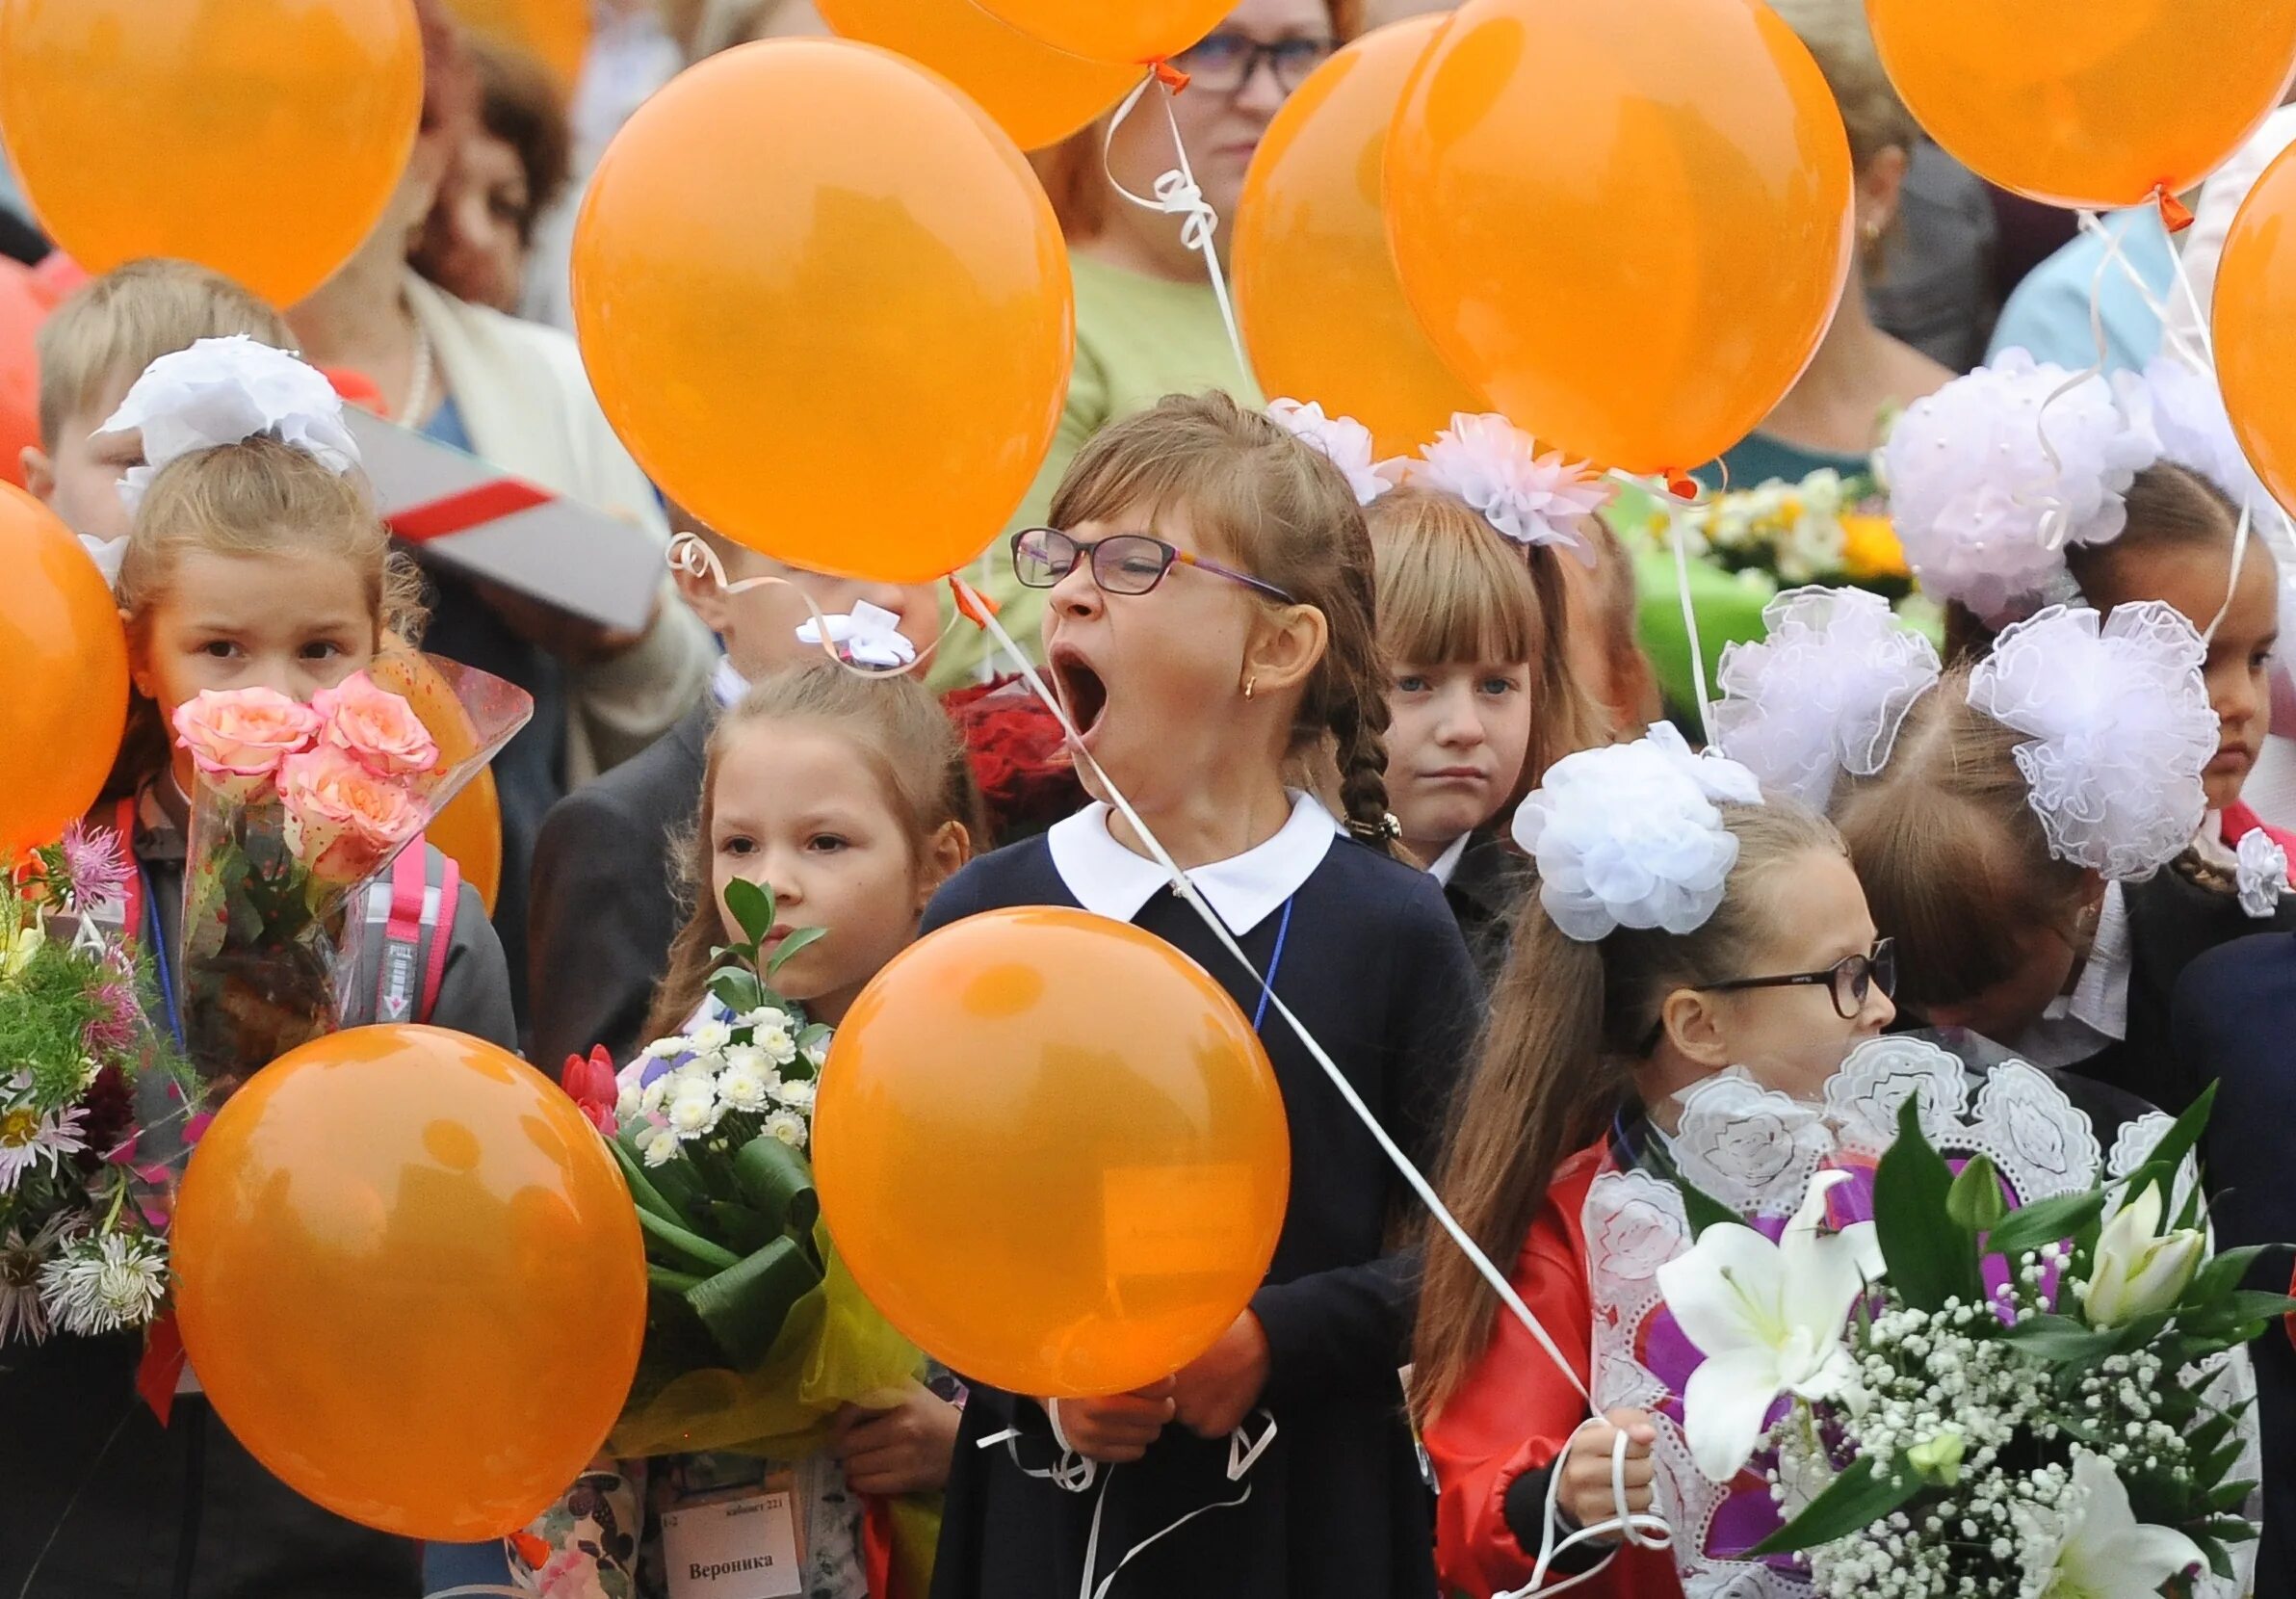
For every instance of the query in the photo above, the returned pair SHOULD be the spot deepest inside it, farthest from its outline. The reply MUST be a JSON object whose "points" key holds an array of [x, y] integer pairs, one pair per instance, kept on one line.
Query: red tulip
{"points": [[592, 1086]]}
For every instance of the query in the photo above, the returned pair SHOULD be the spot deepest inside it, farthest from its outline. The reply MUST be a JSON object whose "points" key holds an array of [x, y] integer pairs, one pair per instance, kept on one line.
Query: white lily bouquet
{"points": [[1929, 1338]]}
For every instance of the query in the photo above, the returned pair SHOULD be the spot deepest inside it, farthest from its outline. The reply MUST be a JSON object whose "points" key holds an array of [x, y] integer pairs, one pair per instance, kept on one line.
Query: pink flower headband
{"points": [[1495, 467], [1345, 441]]}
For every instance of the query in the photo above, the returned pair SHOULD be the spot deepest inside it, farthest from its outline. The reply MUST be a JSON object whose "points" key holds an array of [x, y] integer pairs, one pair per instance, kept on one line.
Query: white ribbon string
{"points": [[691, 554], [1179, 195], [1675, 504], [1640, 1529]]}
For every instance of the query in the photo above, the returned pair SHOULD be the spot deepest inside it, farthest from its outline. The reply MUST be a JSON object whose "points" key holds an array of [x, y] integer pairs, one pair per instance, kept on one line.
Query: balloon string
{"points": [[1185, 887], [690, 554], [1179, 195], [1676, 504], [1641, 1530]]}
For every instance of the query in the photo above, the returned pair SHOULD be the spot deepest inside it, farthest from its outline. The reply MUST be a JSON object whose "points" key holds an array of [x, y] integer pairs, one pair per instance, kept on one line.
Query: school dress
{"points": [[1371, 962], [139, 1510]]}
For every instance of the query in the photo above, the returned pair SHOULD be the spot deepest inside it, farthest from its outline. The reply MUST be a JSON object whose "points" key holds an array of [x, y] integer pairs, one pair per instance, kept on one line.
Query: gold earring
{"points": [[1249, 684]]}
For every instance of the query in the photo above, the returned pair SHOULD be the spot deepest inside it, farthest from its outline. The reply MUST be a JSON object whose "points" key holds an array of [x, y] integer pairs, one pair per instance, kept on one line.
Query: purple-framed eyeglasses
{"points": [[1122, 564]]}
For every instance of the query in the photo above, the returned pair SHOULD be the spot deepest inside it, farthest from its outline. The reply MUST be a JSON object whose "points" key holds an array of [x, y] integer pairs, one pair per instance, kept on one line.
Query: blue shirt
{"points": [[2049, 313]]}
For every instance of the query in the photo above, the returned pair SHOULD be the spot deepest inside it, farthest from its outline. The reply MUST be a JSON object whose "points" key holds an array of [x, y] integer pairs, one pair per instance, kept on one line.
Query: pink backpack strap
{"points": [[412, 910], [441, 936]]}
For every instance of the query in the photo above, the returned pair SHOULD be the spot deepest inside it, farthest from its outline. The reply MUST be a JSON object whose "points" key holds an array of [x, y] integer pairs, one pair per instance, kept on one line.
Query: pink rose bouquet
{"points": [[299, 810]]}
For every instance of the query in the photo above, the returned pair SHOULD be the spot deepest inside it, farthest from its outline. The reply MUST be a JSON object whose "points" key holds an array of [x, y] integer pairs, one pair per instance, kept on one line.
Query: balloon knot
{"points": [[1681, 485], [973, 605], [1170, 76], [2175, 215]]}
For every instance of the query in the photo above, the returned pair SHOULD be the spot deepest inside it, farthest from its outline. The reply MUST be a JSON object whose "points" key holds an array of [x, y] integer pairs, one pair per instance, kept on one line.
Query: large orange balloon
{"points": [[1133, 30], [826, 303], [23, 307], [1038, 94], [261, 138], [411, 1280], [557, 32], [2098, 107], [1052, 1151], [65, 703], [2255, 317], [1628, 225], [1322, 312]]}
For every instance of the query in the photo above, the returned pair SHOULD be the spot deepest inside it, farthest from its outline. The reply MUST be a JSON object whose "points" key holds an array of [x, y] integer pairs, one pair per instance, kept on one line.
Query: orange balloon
{"points": [[468, 830], [2255, 327], [1052, 1151], [261, 138], [1132, 31], [826, 303], [66, 701], [2096, 108], [557, 32], [23, 307], [1037, 94], [1627, 224], [1322, 312], [410, 1279]]}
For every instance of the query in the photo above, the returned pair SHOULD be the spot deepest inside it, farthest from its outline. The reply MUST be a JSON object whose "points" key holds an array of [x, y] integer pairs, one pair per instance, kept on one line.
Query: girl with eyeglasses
{"points": [[1679, 927], [1208, 632]]}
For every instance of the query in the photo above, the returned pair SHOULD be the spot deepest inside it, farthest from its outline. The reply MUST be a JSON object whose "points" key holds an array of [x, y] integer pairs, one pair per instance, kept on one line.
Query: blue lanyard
{"points": [[157, 938], [1283, 930]]}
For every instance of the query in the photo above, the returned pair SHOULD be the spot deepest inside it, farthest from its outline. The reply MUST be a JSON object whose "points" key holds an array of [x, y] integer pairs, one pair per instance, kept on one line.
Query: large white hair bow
{"points": [[1996, 472], [2120, 730], [227, 391], [1630, 835], [1823, 694]]}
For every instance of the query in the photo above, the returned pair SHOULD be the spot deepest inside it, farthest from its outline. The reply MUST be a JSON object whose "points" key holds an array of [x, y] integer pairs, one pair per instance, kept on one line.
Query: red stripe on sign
{"points": [[473, 507]]}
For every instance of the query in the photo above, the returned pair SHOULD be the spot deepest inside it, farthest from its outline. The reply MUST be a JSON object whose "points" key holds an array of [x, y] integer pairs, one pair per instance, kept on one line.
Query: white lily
{"points": [[2103, 1552], [1770, 1320], [2140, 1271]]}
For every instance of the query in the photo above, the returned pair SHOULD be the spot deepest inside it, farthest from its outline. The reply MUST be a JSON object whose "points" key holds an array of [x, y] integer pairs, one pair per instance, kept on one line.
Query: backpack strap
{"points": [[412, 910], [440, 933]]}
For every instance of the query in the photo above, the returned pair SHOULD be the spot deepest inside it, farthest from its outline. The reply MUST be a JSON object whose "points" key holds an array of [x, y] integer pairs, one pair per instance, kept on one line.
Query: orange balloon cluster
{"points": [[2107, 105], [1037, 94], [66, 654], [557, 32], [1322, 308], [1132, 31], [2255, 324], [410, 1279], [261, 138], [1052, 1151], [826, 303], [1625, 224]]}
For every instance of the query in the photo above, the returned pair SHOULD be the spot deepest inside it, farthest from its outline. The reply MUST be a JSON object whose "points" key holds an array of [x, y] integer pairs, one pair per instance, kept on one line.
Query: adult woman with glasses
{"points": [[1147, 321]]}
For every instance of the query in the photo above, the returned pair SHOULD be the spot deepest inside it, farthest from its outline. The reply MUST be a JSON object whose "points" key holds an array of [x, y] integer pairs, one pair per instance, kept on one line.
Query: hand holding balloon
{"points": [[1217, 1390], [1116, 1430]]}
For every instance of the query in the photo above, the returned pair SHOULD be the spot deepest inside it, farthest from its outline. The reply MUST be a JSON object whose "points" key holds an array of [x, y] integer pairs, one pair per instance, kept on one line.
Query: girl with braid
{"points": [[1210, 627]]}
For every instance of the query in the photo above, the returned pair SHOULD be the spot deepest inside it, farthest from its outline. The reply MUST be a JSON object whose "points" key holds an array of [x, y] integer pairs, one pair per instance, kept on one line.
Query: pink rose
{"points": [[239, 737], [343, 821], [376, 727]]}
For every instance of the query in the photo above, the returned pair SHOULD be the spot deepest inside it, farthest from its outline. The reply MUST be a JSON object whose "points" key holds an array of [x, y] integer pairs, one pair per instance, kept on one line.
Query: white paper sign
{"points": [[738, 1549]]}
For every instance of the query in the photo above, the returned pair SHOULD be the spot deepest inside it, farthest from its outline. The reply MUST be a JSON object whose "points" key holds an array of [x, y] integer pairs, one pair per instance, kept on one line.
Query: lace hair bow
{"points": [[2120, 730], [1630, 835], [1824, 693], [2182, 406], [1496, 468], [1996, 472], [1346, 442], [227, 391]]}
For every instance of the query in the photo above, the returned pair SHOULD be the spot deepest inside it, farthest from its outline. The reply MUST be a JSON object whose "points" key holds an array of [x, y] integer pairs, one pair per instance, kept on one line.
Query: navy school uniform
{"points": [[1484, 881], [1372, 965]]}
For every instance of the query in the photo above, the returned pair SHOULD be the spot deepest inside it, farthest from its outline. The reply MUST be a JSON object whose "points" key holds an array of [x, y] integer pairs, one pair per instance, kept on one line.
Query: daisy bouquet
{"points": [[1828, 527], [299, 808], [1921, 1386], [83, 1217], [755, 1334]]}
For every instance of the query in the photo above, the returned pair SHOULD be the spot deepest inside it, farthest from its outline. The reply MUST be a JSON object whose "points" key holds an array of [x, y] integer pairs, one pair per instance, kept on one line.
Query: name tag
{"points": [[742, 1548]]}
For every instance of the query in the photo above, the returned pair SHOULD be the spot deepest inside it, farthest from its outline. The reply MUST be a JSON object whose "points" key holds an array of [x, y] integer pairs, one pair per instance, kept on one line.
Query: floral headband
{"points": [[1824, 693], [1346, 442], [226, 391], [1496, 468], [1630, 835], [1993, 475]]}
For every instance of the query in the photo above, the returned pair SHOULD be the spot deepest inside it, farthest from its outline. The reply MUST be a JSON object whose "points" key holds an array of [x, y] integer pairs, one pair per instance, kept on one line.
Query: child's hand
{"points": [[1585, 1495], [1118, 1429], [1219, 1390], [905, 1450]]}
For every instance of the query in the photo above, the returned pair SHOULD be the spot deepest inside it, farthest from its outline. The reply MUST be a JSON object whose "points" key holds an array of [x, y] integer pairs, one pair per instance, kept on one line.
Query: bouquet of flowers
{"points": [[1965, 1362], [299, 808], [82, 1206], [1826, 529], [755, 1334], [1019, 756]]}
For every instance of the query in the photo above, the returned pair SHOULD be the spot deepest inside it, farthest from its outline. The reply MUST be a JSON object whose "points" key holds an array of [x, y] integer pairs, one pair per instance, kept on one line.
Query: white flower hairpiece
{"points": [[1823, 694], [1996, 472], [2120, 730], [2260, 873], [1629, 835], [1496, 468], [869, 637], [226, 391], [2184, 409], [1346, 442]]}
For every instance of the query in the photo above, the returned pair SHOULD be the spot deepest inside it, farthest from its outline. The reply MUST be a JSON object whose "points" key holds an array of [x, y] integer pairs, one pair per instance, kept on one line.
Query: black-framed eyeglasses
{"points": [[1849, 980], [1224, 63], [1122, 564]]}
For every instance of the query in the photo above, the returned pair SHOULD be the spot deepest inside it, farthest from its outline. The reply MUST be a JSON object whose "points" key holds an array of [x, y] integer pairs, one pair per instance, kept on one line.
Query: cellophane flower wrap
{"points": [[91, 1099], [1930, 1337], [296, 810], [756, 1334]]}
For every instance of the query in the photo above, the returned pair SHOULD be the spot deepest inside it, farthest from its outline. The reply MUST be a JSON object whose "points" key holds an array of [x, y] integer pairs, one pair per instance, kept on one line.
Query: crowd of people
{"points": [[1392, 718]]}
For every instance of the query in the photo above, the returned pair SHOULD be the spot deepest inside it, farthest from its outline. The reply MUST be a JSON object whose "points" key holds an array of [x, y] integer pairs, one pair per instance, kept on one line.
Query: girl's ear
{"points": [[1693, 1024], [138, 665], [1287, 644], [944, 856]]}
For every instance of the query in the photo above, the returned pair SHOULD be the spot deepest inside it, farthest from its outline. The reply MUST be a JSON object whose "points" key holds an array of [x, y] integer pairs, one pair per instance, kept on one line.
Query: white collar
{"points": [[727, 684], [1109, 880], [1447, 862]]}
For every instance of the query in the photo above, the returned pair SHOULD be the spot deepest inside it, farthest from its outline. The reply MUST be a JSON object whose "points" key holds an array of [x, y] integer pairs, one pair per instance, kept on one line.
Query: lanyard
{"points": [[156, 938], [1283, 929]]}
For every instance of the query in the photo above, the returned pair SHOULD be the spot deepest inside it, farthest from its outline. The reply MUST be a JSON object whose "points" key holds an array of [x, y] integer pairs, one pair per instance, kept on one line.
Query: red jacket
{"points": [[1514, 1413]]}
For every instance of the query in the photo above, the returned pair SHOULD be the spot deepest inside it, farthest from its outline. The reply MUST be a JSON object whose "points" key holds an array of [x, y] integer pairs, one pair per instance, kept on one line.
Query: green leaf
{"points": [[692, 1247], [779, 1181], [1974, 1200], [752, 906], [642, 1187], [2062, 1340], [745, 1305], [2223, 1274], [1931, 1258], [1852, 1502], [802, 938], [741, 1227], [738, 990], [1702, 1209], [2160, 1167], [672, 1282], [2244, 1313], [2045, 1222], [2230, 1496]]}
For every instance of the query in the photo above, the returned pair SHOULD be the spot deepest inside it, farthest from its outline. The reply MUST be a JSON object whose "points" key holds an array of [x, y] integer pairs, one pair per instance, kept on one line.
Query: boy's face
{"points": [[759, 625], [81, 480]]}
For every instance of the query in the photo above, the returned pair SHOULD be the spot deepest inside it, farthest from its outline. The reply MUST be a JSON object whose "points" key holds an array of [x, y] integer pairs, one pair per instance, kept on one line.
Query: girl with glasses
{"points": [[1209, 630], [1680, 927]]}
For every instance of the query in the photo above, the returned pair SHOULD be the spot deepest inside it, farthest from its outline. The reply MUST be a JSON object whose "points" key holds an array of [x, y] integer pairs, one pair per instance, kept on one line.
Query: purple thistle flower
{"points": [[118, 1024], [92, 859]]}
